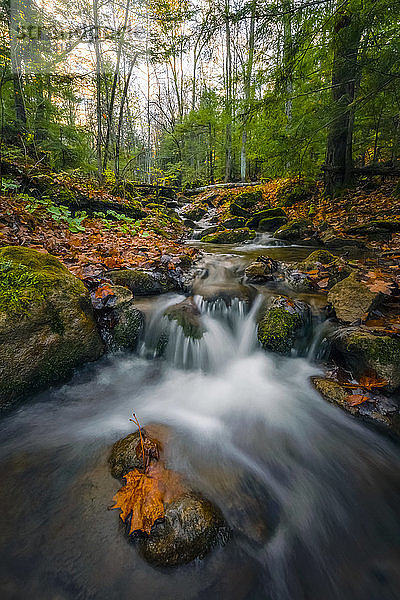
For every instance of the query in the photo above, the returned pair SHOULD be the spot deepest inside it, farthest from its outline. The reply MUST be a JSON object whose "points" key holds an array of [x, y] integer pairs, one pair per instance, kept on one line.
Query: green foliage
{"points": [[57, 212]]}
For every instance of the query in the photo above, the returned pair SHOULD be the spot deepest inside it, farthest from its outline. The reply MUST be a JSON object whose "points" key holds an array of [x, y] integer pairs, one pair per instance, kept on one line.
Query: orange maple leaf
{"points": [[141, 497], [354, 399]]}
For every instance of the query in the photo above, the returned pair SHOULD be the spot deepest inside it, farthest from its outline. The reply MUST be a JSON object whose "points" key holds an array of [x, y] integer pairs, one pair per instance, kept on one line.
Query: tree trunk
{"points": [[339, 154], [247, 91], [228, 97], [98, 86]]}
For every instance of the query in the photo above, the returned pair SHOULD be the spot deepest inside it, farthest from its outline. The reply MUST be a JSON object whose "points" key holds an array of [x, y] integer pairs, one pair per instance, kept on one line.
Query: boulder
{"points": [[378, 410], [331, 239], [229, 236], [212, 292], [268, 213], [323, 261], [279, 327], [233, 223], [295, 230], [376, 227], [352, 300], [187, 315], [261, 270], [362, 351], [249, 199], [195, 212], [238, 211], [271, 224], [141, 283], [47, 325], [294, 192], [191, 527]]}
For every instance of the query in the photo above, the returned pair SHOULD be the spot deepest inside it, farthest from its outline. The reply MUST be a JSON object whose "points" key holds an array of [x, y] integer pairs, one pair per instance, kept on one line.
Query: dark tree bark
{"points": [[339, 154]]}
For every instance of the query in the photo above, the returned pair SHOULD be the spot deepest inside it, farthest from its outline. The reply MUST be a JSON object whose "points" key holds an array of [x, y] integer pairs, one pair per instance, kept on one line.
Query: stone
{"points": [[141, 283], [362, 351], [268, 213], [352, 300], [229, 236], [249, 199], [187, 315], [261, 270], [47, 325], [238, 211], [271, 224], [375, 227], [279, 327], [195, 212], [233, 223], [191, 528], [295, 230], [126, 453], [331, 239]]}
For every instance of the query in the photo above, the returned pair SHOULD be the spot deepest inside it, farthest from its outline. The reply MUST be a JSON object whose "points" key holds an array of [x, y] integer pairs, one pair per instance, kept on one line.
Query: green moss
{"points": [[271, 224], [249, 199], [294, 192], [25, 278], [229, 236], [277, 329], [295, 230], [376, 349]]}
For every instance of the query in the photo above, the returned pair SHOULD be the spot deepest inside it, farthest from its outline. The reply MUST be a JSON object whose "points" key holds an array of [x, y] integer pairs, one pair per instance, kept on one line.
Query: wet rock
{"points": [[295, 230], [191, 528], [378, 411], [47, 325], [227, 292], [129, 327], [352, 300], [142, 283], [195, 212], [249, 199], [261, 270], [331, 239], [269, 213], [230, 236], [377, 228], [233, 223], [334, 268], [238, 211], [361, 351], [187, 315], [271, 224], [279, 327], [126, 454]]}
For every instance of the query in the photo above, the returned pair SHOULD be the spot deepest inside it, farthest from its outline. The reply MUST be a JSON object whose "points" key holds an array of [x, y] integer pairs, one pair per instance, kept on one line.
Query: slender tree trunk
{"points": [[98, 87], [339, 154], [121, 118], [228, 99], [247, 92]]}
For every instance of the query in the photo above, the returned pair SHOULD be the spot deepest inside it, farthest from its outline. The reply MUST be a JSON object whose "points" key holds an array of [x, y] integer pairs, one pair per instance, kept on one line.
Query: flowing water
{"points": [[311, 496]]}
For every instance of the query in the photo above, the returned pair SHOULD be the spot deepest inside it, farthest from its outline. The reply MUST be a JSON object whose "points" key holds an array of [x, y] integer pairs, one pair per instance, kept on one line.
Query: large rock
{"points": [[191, 527], [195, 212], [126, 454], [375, 228], [249, 199], [279, 327], [333, 267], [238, 211], [271, 224], [141, 283], [187, 315], [295, 231], [261, 270], [364, 352], [47, 327], [331, 239], [352, 300], [233, 223], [229, 236], [269, 213], [378, 411]]}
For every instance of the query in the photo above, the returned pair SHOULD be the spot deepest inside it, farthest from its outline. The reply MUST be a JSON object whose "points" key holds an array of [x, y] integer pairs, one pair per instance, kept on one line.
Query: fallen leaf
{"points": [[355, 399], [141, 497], [323, 283], [371, 382]]}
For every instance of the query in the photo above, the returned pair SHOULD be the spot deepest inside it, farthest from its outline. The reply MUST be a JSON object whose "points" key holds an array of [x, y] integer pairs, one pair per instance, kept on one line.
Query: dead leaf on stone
{"points": [[141, 497], [382, 286], [355, 399]]}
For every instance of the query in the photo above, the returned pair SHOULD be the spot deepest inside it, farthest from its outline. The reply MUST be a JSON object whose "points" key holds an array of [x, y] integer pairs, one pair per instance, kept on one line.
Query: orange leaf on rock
{"points": [[355, 399], [371, 382], [141, 497]]}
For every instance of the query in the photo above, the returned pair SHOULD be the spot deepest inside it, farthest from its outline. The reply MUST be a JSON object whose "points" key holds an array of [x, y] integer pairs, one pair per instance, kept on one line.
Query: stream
{"points": [[311, 496]]}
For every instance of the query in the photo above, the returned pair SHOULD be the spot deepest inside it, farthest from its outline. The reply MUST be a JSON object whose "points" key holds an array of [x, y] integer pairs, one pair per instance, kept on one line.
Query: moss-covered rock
{"points": [[331, 239], [269, 213], [375, 227], [249, 199], [335, 268], [295, 230], [141, 283], [47, 327], [352, 300], [230, 236], [271, 224], [238, 211], [187, 315], [361, 351], [278, 328], [294, 192], [233, 223], [195, 212], [379, 411], [191, 527]]}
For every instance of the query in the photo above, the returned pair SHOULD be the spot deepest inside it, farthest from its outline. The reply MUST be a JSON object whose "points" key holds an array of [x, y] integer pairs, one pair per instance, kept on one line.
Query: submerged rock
{"points": [[142, 283], [279, 327], [47, 326], [229, 236], [352, 300], [364, 352], [191, 528]]}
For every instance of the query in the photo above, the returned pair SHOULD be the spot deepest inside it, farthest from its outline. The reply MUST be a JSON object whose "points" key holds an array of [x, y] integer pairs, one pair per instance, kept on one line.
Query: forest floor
{"points": [[90, 245]]}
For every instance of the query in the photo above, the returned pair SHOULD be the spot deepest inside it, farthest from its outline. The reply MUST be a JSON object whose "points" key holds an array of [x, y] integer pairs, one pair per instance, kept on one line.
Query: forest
{"points": [[200, 299]]}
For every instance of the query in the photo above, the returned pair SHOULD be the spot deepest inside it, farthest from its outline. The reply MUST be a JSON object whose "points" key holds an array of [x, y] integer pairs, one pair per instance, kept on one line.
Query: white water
{"points": [[311, 496]]}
